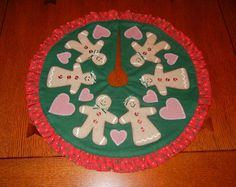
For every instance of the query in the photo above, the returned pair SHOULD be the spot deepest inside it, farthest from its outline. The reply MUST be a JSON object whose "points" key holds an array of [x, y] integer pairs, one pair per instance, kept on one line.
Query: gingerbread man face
{"points": [[87, 49], [103, 101], [99, 59], [137, 59], [148, 51], [147, 80], [89, 78], [132, 103]]}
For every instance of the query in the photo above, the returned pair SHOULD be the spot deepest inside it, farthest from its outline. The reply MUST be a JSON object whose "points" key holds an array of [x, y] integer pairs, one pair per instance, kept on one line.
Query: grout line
{"points": [[189, 152], [226, 26], [4, 16]]}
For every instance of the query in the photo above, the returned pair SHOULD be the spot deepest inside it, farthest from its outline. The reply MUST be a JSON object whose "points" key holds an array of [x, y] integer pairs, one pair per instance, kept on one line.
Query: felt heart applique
{"points": [[134, 33], [171, 58], [85, 95], [62, 106], [100, 32], [64, 57], [173, 110], [150, 97], [118, 137]]}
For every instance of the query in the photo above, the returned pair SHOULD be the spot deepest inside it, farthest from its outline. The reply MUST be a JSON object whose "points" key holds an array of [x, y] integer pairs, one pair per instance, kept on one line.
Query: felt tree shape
{"points": [[98, 115], [177, 79], [144, 132], [148, 51], [58, 77], [87, 49]]}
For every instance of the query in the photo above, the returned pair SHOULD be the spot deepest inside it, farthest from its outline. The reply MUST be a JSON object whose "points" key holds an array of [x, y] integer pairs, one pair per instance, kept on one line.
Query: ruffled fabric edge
{"points": [[103, 163]]}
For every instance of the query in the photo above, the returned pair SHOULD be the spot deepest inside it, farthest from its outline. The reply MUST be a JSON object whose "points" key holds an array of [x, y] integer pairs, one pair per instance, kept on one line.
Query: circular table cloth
{"points": [[154, 114]]}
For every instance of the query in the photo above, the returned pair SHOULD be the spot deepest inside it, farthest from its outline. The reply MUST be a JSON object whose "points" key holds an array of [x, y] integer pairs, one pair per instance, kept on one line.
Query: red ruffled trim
{"points": [[102, 163]]}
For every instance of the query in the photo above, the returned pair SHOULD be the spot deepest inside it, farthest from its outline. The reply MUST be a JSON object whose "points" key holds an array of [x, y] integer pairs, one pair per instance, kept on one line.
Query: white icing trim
{"points": [[68, 45], [72, 91], [84, 33], [79, 59], [101, 43], [102, 141], [159, 67], [163, 92], [76, 131], [149, 34], [158, 135], [82, 109], [122, 120], [166, 46], [184, 78], [152, 111], [50, 76], [114, 120]]}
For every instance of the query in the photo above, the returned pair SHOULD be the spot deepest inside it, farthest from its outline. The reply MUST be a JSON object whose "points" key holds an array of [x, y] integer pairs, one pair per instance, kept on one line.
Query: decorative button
{"points": [[60, 76], [76, 77], [144, 53]]}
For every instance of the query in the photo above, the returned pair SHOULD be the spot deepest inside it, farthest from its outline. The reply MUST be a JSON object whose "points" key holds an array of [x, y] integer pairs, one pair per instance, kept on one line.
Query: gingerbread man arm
{"points": [[111, 118], [82, 58], [158, 70], [151, 39], [72, 44], [153, 58], [125, 118], [148, 111], [136, 46], [83, 38], [85, 109], [161, 46], [99, 44]]}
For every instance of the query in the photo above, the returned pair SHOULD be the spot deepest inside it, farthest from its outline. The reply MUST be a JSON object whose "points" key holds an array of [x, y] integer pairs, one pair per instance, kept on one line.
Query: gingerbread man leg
{"points": [[84, 130], [98, 135]]}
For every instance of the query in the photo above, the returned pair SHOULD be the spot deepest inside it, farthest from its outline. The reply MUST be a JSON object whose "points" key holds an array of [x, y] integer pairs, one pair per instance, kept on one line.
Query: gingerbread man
{"points": [[174, 79], [58, 77], [144, 132], [87, 49], [148, 51], [98, 115]]}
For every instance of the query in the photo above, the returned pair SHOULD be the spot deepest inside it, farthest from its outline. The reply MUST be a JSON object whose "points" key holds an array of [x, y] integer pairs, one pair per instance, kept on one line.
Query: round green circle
{"points": [[170, 129]]}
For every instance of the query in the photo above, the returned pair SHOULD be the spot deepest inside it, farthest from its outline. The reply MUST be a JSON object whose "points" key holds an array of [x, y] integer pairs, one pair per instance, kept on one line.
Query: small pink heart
{"points": [[100, 32], [118, 137], [150, 97], [173, 110], [171, 58], [85, 95], [61, 105], [64, 57], [134, 33]]}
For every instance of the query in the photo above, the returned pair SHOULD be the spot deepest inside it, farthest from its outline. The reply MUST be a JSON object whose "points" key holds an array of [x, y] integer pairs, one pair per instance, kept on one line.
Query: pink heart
{"points": [[134, 33], [100, 32], [150, 97], [64, 57], [171, 58], [61, 105], [118, 137], [85, 95], [173, 110]]}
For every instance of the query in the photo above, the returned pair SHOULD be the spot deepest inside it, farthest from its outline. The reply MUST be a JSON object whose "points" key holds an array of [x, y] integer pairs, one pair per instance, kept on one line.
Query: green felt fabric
{"points": [[169, 129]]}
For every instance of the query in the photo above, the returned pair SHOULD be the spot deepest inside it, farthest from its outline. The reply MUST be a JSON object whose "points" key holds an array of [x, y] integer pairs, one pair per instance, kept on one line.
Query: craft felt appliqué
{"points": [[150, 110]]}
